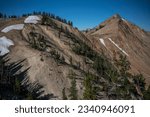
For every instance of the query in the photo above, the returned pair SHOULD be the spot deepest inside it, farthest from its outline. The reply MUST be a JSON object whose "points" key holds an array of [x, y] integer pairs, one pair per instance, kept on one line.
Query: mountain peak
{"points": [[117, 16]]}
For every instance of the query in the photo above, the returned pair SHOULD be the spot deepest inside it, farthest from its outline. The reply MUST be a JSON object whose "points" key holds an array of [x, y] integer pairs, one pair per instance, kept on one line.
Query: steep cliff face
{"points": [[117, 35]]}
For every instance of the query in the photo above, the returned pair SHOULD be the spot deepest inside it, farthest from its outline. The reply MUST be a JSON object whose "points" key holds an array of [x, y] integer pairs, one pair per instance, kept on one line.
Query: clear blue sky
{"points": [[84, 13]]}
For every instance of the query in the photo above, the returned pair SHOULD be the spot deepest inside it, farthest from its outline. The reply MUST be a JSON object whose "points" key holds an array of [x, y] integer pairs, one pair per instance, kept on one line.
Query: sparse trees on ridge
{"points": [[3, 15], [51, 15]]}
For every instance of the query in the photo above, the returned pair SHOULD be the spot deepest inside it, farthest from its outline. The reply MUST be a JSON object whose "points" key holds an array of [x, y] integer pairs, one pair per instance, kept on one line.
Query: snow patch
{"points": [[102, 41], [32, 19], [118, 46], [13, 27], [123, 19], [4, 45]]}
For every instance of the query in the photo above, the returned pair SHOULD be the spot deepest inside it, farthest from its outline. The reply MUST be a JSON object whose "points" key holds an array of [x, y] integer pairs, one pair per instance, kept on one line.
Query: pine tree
{"points": [[89, 91], [73, 89], [1, 15], [64, 97], [70, 23], [60, 31], [139, 81], [147, 94], [123, 64], [44, 20], [62, 59], [99, 65], [70, 60]]}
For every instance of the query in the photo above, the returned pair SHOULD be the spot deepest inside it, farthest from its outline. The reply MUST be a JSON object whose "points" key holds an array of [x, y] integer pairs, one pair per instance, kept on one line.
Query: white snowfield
{"points": [[4, 45], [32, 19], [13, 27], [102, 41], [118, 47]]}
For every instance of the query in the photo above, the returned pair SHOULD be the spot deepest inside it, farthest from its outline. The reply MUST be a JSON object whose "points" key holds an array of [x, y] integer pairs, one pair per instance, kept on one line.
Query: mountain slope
{"points": [[47, 50], [117, 35], [56, 52]]}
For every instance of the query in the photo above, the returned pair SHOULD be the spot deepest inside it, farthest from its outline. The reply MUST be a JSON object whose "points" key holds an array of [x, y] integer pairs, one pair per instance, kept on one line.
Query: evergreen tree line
{"points": [[2, 15], [46, 20], [51, 15]]}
